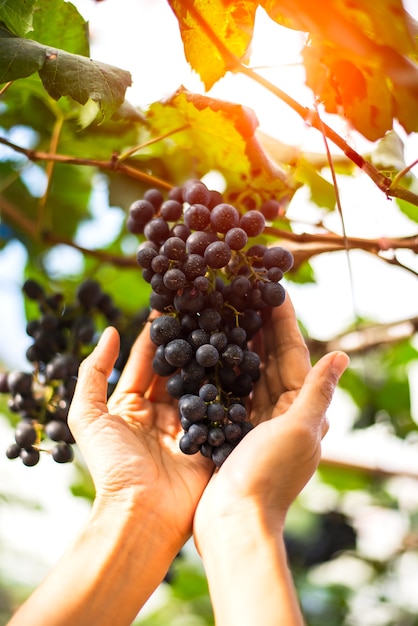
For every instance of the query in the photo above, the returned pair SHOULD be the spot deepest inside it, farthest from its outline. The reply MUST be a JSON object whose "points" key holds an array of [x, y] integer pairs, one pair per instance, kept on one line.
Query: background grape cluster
{"points": [[63, 335], [211, 281]]}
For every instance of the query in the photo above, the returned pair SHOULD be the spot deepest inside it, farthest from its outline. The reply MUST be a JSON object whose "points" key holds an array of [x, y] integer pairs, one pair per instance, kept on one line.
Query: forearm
{"points": [[106, 575], [249, 580]]}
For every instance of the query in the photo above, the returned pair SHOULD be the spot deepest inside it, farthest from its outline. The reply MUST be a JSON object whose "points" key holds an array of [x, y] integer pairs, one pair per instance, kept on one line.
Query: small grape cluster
{"points": [[62, 336], [210, 283]]}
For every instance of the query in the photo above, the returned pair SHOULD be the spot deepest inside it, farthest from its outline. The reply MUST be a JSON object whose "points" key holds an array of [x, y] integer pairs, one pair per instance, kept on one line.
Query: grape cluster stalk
{"points": [[210, 281], [63, 335]]}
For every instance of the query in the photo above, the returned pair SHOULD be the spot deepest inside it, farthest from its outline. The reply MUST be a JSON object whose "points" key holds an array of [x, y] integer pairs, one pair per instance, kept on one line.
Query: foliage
{"points": [[67, 132]]}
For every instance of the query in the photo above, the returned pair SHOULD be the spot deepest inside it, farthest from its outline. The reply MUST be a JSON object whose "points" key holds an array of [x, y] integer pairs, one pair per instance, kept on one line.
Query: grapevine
{"points": [[63, 335]]}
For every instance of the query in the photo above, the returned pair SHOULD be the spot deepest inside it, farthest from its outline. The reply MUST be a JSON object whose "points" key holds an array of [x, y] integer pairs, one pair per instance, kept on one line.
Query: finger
{"points": [[91, 390], [285, 355], [310, 407], [138, 374]]}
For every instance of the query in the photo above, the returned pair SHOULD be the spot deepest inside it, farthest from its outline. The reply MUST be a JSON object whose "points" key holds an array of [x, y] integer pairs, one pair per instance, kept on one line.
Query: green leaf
{"points": [[18, 57], [57, 23], [17, 15], [64, 74]]}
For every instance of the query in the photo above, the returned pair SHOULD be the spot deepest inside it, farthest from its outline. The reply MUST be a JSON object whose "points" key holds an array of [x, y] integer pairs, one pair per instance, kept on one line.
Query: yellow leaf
{"points": [[231, 23]]}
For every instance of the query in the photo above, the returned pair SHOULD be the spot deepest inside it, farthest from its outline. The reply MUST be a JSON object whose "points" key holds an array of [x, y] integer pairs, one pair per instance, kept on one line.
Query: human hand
{"points": [[130, 443], [275, 460]]}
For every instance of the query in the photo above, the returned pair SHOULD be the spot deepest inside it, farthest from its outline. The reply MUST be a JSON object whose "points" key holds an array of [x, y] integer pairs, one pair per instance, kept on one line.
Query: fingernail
{"points": [[340, 363]]}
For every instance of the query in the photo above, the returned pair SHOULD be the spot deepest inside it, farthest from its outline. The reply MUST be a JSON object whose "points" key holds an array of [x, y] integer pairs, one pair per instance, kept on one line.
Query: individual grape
{"points": [[89, 293], [189, 300], [145, 255], [255, 255], [240, 285], [157, 284], [206, 450], [26, 434], [198, 433], [58, 430], [210, 320], [192, 407], [215, 198], [20, 382], [270, 209], [201, 283], [232, 355], [197, 338], [217, 254], [161, 302], [141, 211], [155, 197], [160, 264], [273, 294], [62, 452], [237, 413], [274, 274], [216, 436], [193, 374], [233, 433], [164, 329], [278, 257], [198, 241], [174, 248], [223, 217], [250, 362], [237, 335], [171, 210], [242, 386], [13, 451], [197, 217], [176, 193], [174, 279], [253, 223], [236, 238], [221, 453], [162, 367], [157, 230], [175, 386], [197, 192], [193, 266], [215, 412], [219, 340], [181, 230], [178, 352], [33, 290], [208, 392], [207, 355], [62, 366], [187, 446], [29, 456]]}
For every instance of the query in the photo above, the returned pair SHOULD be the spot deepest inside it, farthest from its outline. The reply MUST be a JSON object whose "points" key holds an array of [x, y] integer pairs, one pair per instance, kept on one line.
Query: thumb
{"points": [[318, 389], [90, 396]]}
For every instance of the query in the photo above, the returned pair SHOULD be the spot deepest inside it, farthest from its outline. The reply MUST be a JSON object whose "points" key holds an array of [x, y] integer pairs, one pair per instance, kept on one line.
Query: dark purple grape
{"points": [[29, 456], [215, 412], [62, 453], [33, 290], [232, 355], [187, 446], [201, 283], [171, 210], [164, 329], [89, 293], [273, 294], [274, 274], [13, 451], [209, 320], [221, 453], [193, 266], [57, 430], [178, 352], [198, 241], [192, 407], [174, 279], [197, 192], [236, 238], [219, 340], [233, 433], [270, 209], [157, 230], [223, 217], [253, 223], [155, 197], [189, 300], [278, 257], [181, 230], [26, 434], [237, 413], [141, 212], [198, 433], [174, 248], [197, 217], [216, 436], [207, 355], [208, 392], [217, 254], [20, 382], [145, 255], [197, 338]]}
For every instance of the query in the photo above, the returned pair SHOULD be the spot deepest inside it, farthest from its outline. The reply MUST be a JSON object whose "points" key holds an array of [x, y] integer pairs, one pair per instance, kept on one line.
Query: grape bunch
{"points": [[210, 281], [62, 336]]}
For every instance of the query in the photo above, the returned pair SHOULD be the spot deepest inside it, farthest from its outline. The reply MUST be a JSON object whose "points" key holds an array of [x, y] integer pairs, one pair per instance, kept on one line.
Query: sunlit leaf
{"points": [[232, 22], [57, 23]]}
